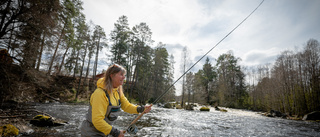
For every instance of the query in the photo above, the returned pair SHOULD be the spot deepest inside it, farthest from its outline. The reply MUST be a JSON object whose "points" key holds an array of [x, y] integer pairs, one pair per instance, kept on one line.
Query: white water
{"points": [[177, 122]]}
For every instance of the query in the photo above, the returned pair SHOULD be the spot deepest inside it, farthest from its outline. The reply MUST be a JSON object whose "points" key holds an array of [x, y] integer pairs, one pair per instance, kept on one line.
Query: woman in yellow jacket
{"points": [[105, 104]]}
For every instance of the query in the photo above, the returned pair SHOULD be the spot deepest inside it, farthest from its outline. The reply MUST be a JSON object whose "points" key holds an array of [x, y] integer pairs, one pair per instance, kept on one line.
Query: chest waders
{"points": [[87, 128]]}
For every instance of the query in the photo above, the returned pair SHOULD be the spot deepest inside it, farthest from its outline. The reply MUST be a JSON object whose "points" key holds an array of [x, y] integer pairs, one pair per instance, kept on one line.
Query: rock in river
{"points": [[315, 115], [44, 121]]}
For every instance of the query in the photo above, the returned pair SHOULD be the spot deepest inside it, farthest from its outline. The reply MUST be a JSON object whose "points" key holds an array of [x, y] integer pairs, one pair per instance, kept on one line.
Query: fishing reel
{"points": [[132, 129]]}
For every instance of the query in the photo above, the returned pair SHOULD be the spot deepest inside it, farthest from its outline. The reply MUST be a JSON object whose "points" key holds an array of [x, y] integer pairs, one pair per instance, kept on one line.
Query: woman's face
{"points": [[117, 79]]}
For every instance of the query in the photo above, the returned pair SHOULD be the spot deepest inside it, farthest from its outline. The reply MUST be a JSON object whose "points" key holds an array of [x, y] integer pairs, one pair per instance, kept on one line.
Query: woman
{"points": [[105, 104]]}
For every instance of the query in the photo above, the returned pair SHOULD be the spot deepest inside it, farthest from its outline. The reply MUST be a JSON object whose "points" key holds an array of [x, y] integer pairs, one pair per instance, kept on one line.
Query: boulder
{"points": [[8, 131], [218, 109], [223, 110], [167, 105], [46, 121], [189, 107], [204, 109], [315, 115], [274, 113], [178, 106]]}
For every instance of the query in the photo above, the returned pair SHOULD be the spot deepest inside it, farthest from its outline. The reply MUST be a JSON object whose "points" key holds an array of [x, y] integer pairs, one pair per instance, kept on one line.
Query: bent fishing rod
{"points": [[132, 129]]}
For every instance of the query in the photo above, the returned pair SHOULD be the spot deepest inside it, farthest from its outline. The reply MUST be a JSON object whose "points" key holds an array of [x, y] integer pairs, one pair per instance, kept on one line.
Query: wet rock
{"points": [[8, 131], [178, 106], [189, 107], [167, 105], [223, 110], [218, 109], [274, 113], [46, 121], [204, 109], [315, 115]]}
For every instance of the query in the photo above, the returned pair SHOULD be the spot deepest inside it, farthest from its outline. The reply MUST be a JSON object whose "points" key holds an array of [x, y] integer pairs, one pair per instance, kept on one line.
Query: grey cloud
{"points": [[258, 58]]}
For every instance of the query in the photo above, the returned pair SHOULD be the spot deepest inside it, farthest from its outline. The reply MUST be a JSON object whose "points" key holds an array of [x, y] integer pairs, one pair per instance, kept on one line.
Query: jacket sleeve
{"points": [[126, 106], [99, 104]]}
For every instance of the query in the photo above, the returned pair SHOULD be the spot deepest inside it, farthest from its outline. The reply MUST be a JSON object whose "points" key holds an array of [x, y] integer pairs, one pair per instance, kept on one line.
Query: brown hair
{"points": [[113, 69]]}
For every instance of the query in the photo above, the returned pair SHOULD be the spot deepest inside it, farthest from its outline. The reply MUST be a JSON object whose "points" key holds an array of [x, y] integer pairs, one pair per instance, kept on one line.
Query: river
{"points": [[178, 122]]}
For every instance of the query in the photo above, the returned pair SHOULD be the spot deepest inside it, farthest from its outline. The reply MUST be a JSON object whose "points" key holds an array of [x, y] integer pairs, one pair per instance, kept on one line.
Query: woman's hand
{"points": [[121, 133], [147, 108]]}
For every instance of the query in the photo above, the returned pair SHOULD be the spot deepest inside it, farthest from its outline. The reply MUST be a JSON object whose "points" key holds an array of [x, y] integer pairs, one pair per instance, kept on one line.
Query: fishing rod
{"points": [[132, 129]]}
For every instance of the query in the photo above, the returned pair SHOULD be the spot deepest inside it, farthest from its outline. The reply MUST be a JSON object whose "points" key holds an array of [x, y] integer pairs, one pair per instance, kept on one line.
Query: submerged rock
{"points": [[315, 115], [8, 131]]}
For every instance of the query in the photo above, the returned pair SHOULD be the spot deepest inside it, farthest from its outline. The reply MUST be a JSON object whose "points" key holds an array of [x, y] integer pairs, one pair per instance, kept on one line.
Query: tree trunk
{"points": [[55, 51], [96, 61], [41, 50], [84, 57], [62, 61], [76, 65]]}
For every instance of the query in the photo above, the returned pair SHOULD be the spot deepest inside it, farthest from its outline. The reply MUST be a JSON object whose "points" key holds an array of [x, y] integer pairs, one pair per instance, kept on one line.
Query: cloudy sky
{"points": [[199, 25]]}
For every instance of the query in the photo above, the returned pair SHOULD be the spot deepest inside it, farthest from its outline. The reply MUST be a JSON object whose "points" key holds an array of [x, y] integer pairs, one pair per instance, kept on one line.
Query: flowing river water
{"points": [[178, 122]]}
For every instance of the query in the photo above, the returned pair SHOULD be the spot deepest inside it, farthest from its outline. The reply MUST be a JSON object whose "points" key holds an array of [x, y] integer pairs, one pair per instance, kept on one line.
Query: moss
{"points": [[42, 117], [223, 110], [42, 121], [8, 130], [204, 109]]}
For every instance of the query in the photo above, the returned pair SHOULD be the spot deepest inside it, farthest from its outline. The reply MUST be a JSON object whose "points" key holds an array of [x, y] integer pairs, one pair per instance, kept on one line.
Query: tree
{"points": [[120, 37], [90, 48], [207, 76], [185, 64], [141, 51], [83, 38], [71, 9], [190, 86], [231, 86], [37, 20], [160, 70], [98, 39], [23, 27]]}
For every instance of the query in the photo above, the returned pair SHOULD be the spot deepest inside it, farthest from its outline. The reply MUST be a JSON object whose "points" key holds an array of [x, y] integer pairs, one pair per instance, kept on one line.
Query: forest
{"points": [[46, 44]]}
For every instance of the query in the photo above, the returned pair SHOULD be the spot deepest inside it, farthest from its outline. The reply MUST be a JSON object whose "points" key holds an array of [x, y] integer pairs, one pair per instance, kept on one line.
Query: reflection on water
{"points": [[174, 122]]}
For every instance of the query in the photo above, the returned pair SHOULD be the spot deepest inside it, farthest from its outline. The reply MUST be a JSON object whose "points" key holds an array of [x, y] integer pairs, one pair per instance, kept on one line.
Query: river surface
{"points": [[178, 122]]}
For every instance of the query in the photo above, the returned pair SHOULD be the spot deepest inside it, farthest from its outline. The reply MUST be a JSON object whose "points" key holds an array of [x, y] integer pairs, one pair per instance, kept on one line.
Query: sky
{"points": [[276, 26]]}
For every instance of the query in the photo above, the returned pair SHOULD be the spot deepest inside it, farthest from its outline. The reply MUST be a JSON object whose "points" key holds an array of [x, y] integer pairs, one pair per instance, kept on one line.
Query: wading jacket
{"points": [[99, 104]]}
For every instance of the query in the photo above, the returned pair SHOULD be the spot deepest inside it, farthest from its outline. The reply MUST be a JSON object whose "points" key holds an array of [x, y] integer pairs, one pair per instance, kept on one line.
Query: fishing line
{"points": [[207, 53], [132, 128]]}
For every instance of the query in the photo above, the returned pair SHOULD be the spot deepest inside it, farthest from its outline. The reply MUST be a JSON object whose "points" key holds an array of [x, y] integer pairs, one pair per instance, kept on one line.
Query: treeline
{"points": [[291, 85], [220, 84], [53, 36]]}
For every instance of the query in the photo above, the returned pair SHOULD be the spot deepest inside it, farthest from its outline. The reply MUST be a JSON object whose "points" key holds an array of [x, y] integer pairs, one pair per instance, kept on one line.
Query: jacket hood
{"points": [[100, 83]]}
